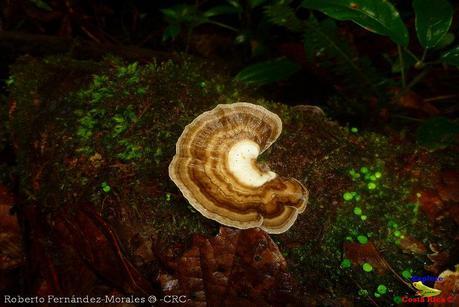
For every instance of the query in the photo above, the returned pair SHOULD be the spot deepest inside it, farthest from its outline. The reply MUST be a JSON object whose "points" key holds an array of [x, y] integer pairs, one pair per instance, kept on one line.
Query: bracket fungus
{"points": [[215, 168]]}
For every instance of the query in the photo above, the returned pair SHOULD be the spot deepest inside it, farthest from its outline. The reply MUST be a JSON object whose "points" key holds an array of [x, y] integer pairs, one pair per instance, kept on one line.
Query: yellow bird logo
{"points": [[425, 291]]}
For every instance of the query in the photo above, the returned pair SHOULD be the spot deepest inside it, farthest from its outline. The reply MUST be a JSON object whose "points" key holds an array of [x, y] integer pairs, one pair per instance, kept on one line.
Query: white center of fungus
{"points": [[241, 161]]}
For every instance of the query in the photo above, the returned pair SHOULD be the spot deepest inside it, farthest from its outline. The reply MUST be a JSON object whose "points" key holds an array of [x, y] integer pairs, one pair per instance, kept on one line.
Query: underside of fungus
{"points": [[215, 167]]}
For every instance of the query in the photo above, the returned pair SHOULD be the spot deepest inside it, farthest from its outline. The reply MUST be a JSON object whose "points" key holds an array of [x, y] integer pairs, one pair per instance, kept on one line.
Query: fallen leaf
{"points": [[411, 100], [448, 283], [11, 254], [361, 253], [76, 251], [448, 188], [11, 251], [439, 259], [410, 245], [431, 204], [237, 267]]}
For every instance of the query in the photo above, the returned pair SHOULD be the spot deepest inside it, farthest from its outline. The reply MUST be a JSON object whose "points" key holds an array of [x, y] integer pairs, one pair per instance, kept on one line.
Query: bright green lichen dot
{"points": [[347, 196], [382, 289], [367, 267], [354, 130], [362, 239], [346, 263], [363, 217], [392, 224], [397, 299], [372, 186], [397, 233], [105, 187], [377, 294], [378, 174], [363, 292], [364, 170], [406, 274], [357, 211]]}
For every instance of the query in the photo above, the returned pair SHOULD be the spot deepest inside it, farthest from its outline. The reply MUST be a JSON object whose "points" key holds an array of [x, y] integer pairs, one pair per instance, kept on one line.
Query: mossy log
{"points": [[100, 136]]}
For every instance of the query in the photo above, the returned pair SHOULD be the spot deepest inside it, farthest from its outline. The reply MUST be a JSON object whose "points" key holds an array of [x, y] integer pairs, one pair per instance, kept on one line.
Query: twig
{"points": [[361, 288], [407, 118], [402, 66], [424, 54], [36, 44], [443, 97], [222, 25]]}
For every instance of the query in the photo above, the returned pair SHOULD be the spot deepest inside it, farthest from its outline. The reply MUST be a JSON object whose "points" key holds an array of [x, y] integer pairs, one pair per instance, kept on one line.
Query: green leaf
{"points": [[235, 3], [447, 40], [433, 20], [171, 13], [182, 13], [221, 10], [282, 14], [105, 187], [451, 56], [437, 133], [41, 4], [171, 32], [267, 72], [255, 3], [377, 16], [328, 49]]}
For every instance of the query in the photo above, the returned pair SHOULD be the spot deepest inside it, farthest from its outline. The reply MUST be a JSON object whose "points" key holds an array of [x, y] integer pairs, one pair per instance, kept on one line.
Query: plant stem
{"points": [[406, 118], [424, 54], [188, 38], [408, 51], [402, 66], [413, 82], [222, 25], [418, 78], [343, 54]]}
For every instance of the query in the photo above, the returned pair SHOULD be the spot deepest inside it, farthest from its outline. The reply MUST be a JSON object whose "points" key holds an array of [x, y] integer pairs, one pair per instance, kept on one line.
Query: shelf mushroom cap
{"points": [[216, 170]]}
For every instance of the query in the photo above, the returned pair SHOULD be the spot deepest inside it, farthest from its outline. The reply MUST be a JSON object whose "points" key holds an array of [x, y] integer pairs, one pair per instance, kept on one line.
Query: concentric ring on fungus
{"points": [[215, 168]]}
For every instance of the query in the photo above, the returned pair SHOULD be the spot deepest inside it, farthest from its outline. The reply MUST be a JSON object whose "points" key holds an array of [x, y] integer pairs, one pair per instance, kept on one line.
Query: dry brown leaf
{"points": [[411, 100], [11, 255], [439, 259], [361, 253], [448, 188], [410, 245], [449, 286], [431, 204], [237, 267]]}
